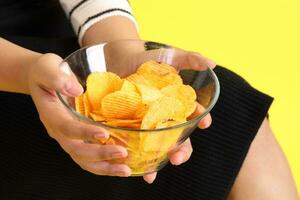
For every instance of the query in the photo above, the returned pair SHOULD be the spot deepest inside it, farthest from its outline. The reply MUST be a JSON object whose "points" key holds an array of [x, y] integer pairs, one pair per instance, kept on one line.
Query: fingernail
{"points": [[203, 124], [73, 88], [100, 136], [65, 68], [118, 155], [179, 160]]}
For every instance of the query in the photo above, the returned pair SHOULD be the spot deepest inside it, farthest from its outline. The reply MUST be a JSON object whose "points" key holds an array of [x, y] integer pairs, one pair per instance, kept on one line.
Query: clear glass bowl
{"points": [[123, 57]]}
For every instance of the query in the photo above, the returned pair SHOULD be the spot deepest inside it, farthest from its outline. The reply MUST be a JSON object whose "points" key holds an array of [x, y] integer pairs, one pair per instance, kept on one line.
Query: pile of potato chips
{"points": [[152, 98]]}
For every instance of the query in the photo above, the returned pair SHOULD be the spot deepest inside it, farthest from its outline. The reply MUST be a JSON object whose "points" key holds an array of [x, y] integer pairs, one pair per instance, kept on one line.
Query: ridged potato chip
{"points": [[120, 104], [79, 106], [185, 93], [128, 86], [152, 98], [120, 137], [136, 78], [97, 117], [159, 75], [141, 111], [157, 68], [162, 141], [87, 106], [126, 123], [164, 108], [110, 141], [100, 84], [148, 93]]}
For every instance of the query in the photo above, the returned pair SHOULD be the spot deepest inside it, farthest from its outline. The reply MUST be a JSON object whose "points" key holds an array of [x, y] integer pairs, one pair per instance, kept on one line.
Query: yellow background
{"points": [[258, 39]]}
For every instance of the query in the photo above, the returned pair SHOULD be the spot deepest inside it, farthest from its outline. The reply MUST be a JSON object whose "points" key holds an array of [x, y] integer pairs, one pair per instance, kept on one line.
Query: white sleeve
{"points": [[84, 13]]}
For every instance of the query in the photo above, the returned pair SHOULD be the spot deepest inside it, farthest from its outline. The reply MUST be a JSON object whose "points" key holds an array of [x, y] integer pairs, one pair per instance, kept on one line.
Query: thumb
{"points": [[51, 74]]}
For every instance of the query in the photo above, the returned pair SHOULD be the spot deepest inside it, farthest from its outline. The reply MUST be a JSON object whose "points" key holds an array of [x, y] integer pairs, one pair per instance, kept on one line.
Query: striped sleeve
{"points": [[84, 13]]}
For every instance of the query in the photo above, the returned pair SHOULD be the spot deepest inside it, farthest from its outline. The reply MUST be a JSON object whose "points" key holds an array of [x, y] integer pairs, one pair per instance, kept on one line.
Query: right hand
{"points": [[44, 78]]}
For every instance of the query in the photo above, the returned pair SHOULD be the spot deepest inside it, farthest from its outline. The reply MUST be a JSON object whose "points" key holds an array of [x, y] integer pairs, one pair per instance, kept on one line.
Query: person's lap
{"points": [[35, 167]]}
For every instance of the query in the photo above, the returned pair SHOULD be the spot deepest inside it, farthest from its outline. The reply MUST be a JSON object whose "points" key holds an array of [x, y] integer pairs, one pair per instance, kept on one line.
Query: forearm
{"points": [[100, 21], [14, 64], [110, 29]]}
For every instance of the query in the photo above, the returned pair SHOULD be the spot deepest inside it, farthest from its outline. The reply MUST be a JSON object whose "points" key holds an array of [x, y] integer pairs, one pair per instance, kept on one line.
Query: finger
{"points": [[182, 153], [206, 121], [49, 75], [78, 130], [181, 59], [104, 168], [92, 152], [149, 178]]}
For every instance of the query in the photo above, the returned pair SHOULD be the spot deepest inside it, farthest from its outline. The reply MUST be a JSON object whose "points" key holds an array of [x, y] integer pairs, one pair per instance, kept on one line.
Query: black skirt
{"points": [[33, 166]]}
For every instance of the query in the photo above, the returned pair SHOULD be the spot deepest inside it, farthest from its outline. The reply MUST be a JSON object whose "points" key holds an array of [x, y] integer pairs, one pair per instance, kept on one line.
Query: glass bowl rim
{"points": [[90, 121]]}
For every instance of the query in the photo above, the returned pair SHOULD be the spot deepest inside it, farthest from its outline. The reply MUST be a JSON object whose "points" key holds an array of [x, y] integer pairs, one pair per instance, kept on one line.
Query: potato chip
{"points": [[164, 108], [128, 86], [119, 140], [198, 111], [87, 106], [162, 141], [120, 137], [110, 141], [79, 106], [159, 75], [148, 93], [136, 78], [157, 68], [97, 112], [97, 117], [129, 123], [169, 123], [133, 143], [141, 111], [152, 98], [129, 126], [120, 104], [100, 84], [185, 93]]}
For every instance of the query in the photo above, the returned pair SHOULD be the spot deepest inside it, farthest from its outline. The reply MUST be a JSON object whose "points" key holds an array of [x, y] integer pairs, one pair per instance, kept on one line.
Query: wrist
{"points": [[24, 75], [15, 62]]}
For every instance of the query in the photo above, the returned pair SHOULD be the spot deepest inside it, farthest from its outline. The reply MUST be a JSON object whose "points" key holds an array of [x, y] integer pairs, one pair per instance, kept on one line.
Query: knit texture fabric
{"points": [[33, 166]]}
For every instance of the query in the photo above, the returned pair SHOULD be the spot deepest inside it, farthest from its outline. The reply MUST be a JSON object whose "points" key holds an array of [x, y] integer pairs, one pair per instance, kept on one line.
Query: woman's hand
{"points": [[44, 78]]}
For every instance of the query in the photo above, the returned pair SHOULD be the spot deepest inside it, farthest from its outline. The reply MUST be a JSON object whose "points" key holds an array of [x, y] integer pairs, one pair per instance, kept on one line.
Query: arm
{"points": [[15, 60], [14, 64], [112, 27]]}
